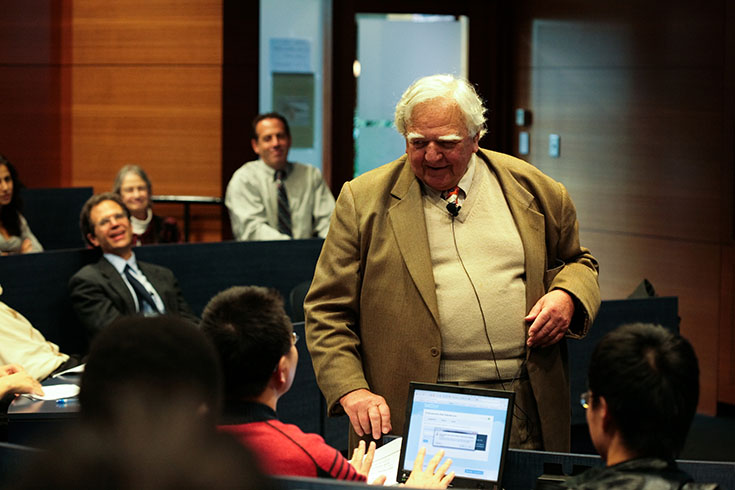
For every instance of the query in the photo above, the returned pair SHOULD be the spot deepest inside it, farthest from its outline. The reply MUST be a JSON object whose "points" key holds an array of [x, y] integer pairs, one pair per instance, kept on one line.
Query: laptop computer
{"points": [[471, 425]]}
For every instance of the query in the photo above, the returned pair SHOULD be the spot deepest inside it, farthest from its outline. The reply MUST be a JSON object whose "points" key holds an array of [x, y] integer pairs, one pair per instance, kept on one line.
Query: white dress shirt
{"points": [[252, 200], [119, 264]]}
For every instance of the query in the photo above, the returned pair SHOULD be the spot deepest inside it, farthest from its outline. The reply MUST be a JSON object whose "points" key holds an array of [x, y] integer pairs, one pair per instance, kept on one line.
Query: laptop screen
{"points": [[471, 425]]}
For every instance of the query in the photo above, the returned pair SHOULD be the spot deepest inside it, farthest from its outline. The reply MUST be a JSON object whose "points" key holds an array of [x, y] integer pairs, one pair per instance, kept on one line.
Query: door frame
{"points": [[489, 60]]}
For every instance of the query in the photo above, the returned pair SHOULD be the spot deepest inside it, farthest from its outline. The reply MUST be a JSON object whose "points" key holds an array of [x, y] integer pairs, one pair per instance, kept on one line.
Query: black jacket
{"points": [[637, 474]]}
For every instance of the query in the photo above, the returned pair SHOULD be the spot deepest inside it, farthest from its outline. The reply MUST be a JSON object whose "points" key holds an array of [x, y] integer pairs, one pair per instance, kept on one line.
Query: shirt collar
{"points": [[243, 412], [271, 172], [140, 225], [464, 183], [119, 263]]}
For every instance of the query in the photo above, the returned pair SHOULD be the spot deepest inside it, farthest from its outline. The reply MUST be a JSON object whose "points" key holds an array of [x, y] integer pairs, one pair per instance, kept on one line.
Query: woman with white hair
{"points": [[135, 189]]}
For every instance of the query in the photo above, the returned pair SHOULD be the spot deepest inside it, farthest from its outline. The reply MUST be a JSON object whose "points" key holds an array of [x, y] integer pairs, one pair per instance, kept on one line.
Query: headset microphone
{"points": [[453, 209]]}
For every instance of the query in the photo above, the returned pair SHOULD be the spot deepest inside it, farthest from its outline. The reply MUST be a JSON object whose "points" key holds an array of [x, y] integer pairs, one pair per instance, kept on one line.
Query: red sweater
{"points": [[283, 449]]}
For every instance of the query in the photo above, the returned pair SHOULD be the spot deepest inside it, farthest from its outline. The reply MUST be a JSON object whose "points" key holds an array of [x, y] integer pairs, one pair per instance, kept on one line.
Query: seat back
{"points": [[53, 215]]}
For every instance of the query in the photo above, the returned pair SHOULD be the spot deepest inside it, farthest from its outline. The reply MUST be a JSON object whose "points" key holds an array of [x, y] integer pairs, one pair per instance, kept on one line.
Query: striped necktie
{"points": [[284, 213], [144, 296]]}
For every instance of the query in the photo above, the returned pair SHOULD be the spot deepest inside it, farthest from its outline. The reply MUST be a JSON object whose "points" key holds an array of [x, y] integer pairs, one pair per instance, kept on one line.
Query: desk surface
{"points": [[26, 408]]}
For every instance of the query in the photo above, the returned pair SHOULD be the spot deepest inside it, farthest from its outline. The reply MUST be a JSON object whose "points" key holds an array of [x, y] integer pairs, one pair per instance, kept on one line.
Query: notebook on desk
{"points": [[471, 425]]}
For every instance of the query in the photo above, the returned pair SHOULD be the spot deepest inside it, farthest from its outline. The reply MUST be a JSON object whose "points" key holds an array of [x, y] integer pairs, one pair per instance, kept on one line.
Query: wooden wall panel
{"points": [[166, 120], [146, 88], [639, 154], [26, 32], [30, 124], [31, 95], [172, 32], [686, 269], [638, 92]]}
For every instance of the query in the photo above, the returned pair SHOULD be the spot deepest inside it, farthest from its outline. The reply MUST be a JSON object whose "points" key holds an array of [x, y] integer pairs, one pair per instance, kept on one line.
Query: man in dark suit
{"points": [[117, 284]]}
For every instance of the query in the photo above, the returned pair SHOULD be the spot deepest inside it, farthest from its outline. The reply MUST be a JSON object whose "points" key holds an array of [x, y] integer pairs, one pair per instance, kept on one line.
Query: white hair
{"points": [[443, 86]]}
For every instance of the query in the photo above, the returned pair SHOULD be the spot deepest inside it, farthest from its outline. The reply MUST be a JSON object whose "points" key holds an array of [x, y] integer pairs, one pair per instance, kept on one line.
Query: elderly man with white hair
{"points": [[452, 264]]}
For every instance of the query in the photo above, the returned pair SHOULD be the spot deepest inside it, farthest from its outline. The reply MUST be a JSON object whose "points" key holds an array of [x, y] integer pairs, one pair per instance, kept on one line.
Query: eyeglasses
{"points": [[108, 219], [584, 399]]}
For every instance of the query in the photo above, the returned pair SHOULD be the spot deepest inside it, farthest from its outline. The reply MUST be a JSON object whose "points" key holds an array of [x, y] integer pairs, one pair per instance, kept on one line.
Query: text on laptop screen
{"points": [[469, 428]]}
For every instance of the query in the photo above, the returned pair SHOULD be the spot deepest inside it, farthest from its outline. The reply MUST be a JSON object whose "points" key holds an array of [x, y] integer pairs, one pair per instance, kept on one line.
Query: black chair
{"points": [[296, 300], [13, 460], [53, 215], [305, 483]]}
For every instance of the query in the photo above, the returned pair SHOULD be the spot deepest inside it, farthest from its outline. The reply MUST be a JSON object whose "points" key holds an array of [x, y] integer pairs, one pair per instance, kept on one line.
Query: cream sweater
{"points": [[492, 252]]}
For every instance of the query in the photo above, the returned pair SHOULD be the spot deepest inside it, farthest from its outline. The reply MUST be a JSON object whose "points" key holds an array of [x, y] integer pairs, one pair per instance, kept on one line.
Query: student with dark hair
{"points": [[15, 235], [150, 394], [118, 284], [144, 451], [257, 348], [643, 392], [155, 359]]}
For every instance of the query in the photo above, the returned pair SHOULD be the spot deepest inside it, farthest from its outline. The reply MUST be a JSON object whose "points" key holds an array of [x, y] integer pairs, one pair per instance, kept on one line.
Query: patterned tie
{"points": [[144, 297], [452, 198], [284, 213]]}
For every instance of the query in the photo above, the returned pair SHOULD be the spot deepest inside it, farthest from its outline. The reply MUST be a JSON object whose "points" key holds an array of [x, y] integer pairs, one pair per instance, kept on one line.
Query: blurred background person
{"points": [[23, 345], [134, 187], [143, 451], [272, 198], [15, 235], [162, 361], [150, 396]]}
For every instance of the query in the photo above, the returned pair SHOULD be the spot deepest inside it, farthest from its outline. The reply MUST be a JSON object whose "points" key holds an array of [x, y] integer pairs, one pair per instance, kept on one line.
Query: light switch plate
{"points": [[554, 145], [522, 117], [523, 143]]}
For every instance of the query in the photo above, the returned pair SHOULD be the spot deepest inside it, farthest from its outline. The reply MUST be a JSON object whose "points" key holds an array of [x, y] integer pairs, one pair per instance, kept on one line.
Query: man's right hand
{"points": [[19, 382], [369, 413]]}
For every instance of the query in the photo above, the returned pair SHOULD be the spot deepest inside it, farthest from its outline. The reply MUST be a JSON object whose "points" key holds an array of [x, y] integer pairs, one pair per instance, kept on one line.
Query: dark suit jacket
{"points": [[99, 295]]}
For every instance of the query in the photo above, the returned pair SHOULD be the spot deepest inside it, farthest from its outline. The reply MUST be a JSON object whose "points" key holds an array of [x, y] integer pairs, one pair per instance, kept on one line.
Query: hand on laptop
{"points": [[363, 461], [368, 412], [431, 477]]}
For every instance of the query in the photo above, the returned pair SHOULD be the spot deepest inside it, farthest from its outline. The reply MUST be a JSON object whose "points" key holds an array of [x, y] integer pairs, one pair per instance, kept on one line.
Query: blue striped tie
{"points": [[144, 296], [284, 213]]}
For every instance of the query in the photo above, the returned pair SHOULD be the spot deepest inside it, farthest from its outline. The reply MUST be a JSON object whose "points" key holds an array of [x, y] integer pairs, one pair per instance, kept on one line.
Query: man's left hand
{"points": [[551, 316]]}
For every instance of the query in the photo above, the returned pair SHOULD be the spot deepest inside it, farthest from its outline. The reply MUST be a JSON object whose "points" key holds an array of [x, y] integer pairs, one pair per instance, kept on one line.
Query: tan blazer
{"points": [[372, 319]]}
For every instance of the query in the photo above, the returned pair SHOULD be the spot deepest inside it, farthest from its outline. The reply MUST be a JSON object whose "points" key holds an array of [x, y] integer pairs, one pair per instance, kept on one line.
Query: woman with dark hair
{"points": [[135, 189], [15, 235]]}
